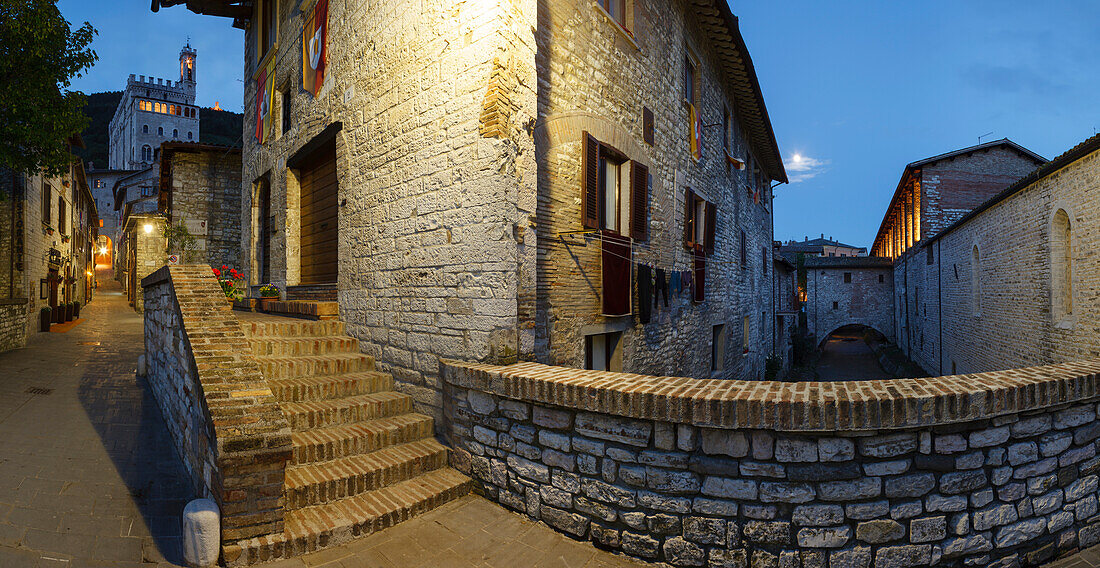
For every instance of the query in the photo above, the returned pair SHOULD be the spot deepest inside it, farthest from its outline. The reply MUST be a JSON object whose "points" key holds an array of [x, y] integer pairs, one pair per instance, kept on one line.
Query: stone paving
{"points": [[88, 475]]}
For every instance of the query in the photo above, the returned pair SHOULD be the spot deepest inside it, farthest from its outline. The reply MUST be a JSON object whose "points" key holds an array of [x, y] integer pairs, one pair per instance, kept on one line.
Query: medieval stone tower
{"points": [[152, 111]]}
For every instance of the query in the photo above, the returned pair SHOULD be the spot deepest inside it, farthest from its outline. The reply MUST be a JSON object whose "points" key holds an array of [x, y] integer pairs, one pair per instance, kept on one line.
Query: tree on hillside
{"points": [[39, 57]]}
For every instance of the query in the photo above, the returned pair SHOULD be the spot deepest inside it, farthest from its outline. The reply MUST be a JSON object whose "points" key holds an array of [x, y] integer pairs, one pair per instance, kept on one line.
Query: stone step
{"points": [[340, 521], [269, 346], [304, 389], [316, 484], [332, 524], [305, 309], [312, 292], [324, 444], [314, 365], [292, 327], [334, 412]]}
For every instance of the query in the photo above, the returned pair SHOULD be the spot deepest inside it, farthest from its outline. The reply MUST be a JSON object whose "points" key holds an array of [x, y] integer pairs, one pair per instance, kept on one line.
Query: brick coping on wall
{"points": [[788, 407]]}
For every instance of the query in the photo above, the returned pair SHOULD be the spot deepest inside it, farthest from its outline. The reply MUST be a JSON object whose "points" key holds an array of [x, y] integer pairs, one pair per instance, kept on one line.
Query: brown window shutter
{"points": [[647, 125], [689, 213], [712, 214], [590, 183], [639, 201]]}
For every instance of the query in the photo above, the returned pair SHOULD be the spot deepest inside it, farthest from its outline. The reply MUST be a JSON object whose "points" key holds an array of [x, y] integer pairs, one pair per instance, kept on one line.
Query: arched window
{"points": [[175, 133], [146, 153], [976, 280], [160, 130], [189, 136], [145, 129], [1061, 265], [171, 109]]}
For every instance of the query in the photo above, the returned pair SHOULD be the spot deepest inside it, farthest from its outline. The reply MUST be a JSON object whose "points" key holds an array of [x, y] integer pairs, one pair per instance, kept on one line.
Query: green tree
{"points": [[39, 57]]}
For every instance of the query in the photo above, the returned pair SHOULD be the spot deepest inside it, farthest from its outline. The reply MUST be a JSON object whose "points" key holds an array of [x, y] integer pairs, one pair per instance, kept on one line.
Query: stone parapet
{"points": [[227, 426], [994, 469], [13, 323]]}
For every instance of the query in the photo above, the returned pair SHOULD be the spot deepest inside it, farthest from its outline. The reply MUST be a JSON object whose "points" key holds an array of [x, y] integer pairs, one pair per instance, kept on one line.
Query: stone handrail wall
{"points": [[996, 469], [228, 429]]}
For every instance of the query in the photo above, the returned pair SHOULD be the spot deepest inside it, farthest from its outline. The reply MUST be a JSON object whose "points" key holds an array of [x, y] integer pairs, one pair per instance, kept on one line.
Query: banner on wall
{"points": [[315, 48], [265, 87]]}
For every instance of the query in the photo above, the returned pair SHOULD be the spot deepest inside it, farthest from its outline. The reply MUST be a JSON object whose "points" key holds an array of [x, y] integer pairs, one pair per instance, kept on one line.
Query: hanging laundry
{"points": [[645, 290], [686, 281], [674, 283], [661, 287]]}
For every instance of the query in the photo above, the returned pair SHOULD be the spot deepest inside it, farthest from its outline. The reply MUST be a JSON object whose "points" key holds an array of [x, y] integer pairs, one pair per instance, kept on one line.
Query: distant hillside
{"points": [[215, 126]]}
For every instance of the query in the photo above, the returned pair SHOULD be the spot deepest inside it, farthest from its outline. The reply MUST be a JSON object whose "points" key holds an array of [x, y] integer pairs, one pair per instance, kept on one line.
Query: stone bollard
{"points": [[141, 366], [201, 533]]}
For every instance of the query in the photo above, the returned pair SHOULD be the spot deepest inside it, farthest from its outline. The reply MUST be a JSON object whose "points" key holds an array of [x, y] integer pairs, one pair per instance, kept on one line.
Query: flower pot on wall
{"points": [[68, 312], [76, 310], [264, 304], [59, 314]]}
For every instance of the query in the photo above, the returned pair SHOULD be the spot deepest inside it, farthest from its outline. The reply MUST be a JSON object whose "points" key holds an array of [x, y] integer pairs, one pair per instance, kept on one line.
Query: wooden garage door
{"points": [[319, 216]]}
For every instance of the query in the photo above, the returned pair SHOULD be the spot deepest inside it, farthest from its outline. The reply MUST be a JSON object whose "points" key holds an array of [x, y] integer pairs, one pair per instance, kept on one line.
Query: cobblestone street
{"points": [[89, 477]]}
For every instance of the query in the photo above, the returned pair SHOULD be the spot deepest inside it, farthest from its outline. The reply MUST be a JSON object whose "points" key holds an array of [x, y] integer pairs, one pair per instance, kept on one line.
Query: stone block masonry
{"points": [[845, 291], [995, 469], [13, 323], [227, 427]]}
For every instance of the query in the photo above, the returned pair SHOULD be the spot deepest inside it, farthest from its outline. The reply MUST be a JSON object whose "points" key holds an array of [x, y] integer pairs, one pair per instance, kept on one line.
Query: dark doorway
{"points": [[266, 227], [319, 210]]}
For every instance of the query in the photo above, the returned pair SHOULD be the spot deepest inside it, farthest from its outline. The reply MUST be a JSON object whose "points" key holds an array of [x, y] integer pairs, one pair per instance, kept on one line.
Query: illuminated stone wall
{"points": [[596, 77]]}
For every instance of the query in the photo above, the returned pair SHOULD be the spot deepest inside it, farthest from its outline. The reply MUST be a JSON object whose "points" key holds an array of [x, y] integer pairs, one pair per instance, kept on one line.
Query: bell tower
{"points": [[188, 71]]}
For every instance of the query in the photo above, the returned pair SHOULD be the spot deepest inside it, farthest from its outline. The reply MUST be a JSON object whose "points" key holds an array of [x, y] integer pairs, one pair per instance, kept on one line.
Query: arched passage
{"points": [[846, 354]]}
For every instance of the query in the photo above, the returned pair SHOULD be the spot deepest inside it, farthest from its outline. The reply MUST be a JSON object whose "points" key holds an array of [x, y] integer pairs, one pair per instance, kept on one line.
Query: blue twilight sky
{"points": [[855, 89]]}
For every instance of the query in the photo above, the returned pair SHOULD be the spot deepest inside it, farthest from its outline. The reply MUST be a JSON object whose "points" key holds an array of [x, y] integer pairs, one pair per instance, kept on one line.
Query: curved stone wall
{"points": [[996, 469]]}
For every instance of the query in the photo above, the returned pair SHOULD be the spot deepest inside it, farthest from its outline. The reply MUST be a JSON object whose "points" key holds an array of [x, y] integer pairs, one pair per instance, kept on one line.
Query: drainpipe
{"points": [[939, 300]]}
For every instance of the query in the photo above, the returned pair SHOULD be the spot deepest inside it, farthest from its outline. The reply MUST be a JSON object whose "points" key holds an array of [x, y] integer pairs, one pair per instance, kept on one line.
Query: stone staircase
{"points": [[362, 459]]}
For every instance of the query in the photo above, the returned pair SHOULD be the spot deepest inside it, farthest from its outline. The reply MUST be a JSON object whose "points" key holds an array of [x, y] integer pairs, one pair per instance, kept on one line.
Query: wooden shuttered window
{"points": [[590, 180], [689, 219], [639, 201], [712, 214]]}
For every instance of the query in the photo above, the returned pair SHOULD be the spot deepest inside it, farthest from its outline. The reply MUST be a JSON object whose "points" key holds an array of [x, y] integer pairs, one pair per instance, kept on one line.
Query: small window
{"points": [[160, 131], [700, 220], [616, 9], [146, 153], [928, 255], [286, 110], [744, 249], [616, 191], [881, 278], [61, 224], [603, 351], [836, 305], [190, 136], [146, 191], [847, 277], [1061, 265], [175, 133], [718, 348], [268, 27], [690, 80], [145, 129]]}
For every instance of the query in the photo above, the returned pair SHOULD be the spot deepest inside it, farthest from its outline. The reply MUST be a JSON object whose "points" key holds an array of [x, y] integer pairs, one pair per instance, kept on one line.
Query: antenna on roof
{"points": [[983, 136]]}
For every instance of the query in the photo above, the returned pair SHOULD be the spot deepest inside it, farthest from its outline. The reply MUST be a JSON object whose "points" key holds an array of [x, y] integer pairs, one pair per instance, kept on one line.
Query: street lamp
{"points": [[148, 228]]}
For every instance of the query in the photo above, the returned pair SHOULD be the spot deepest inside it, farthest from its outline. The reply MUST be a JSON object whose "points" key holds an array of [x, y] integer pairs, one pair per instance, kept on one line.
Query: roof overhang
{"points": [[239, 10]]}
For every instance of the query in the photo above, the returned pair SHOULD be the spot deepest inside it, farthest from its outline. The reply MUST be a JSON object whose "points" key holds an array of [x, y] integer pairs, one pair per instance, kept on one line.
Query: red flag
{"points": [[315, 48]]}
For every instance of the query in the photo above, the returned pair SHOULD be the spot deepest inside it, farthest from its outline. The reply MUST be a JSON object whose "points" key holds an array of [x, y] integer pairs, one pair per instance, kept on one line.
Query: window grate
{"points": [[38, 390]]}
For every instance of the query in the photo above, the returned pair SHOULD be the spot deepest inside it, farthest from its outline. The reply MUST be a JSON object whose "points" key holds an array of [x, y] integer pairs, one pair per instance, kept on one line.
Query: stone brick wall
{"points": [[596, 78], [1014, 323], [227, 427], [430, 263], [206, 196], [13, 323], [995, 469], [868, 299]]}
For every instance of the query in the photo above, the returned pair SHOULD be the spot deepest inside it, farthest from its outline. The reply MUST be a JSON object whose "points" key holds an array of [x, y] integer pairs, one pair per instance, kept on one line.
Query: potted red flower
{"points": [[228, 278]]}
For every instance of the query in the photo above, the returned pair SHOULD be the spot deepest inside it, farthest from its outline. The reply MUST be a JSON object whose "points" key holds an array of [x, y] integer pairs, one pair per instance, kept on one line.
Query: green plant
{"points": [[228, 278], [772, 365], [180, 241], [269, 291], [46, 310]]}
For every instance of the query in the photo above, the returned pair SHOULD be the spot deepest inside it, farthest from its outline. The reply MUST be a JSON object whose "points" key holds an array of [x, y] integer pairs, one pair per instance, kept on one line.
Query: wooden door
{"points": [[319, 209], [266, 226]]}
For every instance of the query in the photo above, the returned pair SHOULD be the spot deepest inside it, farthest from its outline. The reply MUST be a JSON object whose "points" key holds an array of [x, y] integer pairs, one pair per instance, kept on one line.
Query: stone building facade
{"points": [[200, 186], [152, 111], [48, 230], [1009, 284], [935, 192], [843, 291], [455, 224]]}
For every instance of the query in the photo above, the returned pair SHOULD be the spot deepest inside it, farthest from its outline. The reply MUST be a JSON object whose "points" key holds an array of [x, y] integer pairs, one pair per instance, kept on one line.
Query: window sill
{"points": [[627, 34]]}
